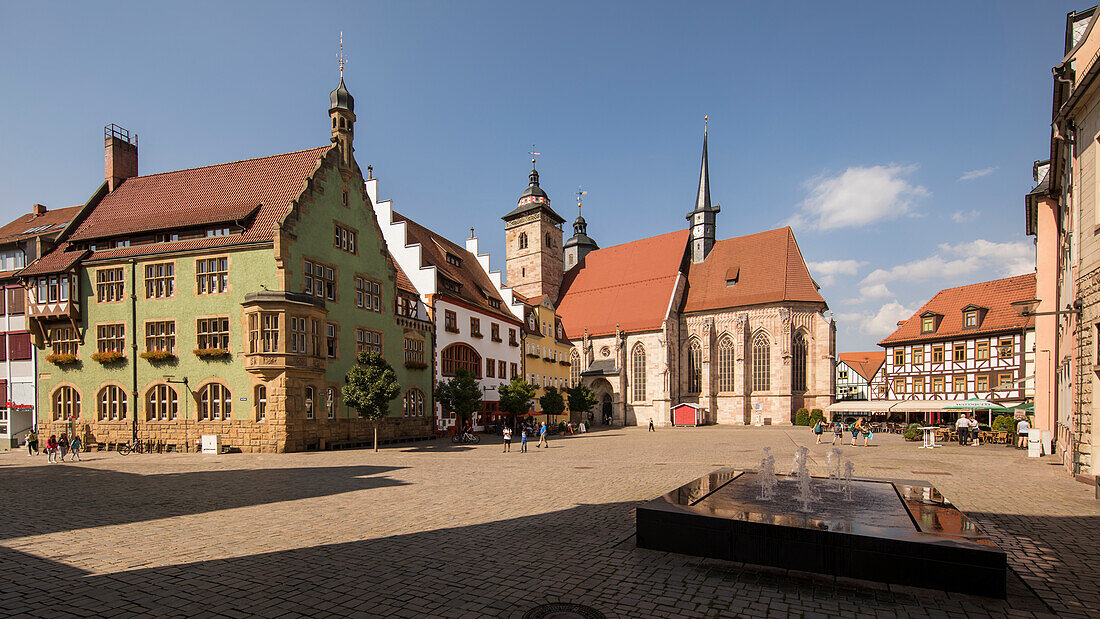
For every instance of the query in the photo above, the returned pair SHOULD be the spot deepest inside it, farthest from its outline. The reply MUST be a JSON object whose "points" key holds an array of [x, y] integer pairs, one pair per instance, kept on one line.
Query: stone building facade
{"points": [[736, 326], [229, 299]]}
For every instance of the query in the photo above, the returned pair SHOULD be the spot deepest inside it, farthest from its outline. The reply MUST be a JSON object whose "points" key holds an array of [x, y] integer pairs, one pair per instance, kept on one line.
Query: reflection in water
{"points": [[692, 492]]}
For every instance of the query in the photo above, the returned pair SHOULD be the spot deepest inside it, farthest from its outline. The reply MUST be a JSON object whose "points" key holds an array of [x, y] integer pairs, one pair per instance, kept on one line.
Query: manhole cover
{"points": [[561, 610]]}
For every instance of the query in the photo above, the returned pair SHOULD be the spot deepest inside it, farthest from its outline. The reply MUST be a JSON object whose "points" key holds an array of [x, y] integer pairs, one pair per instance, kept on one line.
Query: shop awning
{"points": [[862, 406]]}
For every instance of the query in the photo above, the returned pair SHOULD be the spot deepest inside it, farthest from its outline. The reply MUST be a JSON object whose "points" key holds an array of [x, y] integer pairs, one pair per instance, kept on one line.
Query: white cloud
{"points": [[826, 271], [973, 174], [878, 323], [858, 197], [875, 291], [961, 217], [953, 261]]}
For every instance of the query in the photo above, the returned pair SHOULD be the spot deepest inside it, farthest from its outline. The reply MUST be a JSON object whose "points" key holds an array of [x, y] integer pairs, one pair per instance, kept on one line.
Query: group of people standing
{"points": [[967, 428], [523, 432], [56, 448], [861, 427]]}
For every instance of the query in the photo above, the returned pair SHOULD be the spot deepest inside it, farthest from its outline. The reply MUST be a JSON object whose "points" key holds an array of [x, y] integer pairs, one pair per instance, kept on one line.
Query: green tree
{"points": [[517, 396], [552, 403], [369, 387], [460, 395], [581, 398]]}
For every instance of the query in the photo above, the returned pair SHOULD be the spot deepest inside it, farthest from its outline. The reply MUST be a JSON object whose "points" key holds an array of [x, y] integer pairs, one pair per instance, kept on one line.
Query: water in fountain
{"points": [[799, 458], [805, 492], [768, 482], [833, 465], [849, 468]]}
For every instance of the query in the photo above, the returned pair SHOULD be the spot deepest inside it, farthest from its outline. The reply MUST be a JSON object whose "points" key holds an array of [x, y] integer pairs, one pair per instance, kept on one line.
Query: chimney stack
{"points": [[120, 155], [38, 210]]}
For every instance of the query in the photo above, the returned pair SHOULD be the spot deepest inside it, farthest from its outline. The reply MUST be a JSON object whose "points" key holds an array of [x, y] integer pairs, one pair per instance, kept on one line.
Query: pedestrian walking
{"points": [[868, 433], [855, 429], [819, 429], [523, 440], [651, 428], [542, 436], [838, 432], [962, 427], [51, 449], [507, 439], [63, 445], [74, 447], [975, 431], [1022, 429], [32, 443]]}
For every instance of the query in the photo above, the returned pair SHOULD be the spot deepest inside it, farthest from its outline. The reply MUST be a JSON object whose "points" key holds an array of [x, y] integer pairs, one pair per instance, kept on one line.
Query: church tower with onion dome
{"points": [[533, 243]]}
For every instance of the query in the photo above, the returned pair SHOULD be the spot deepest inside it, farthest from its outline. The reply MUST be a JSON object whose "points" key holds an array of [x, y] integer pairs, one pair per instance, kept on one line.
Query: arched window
{"points": [[112, 403], [330, 403], [261, 402], [574, 368], [161, 403], [695, 367], [761, 363], [725, 364], [798, 363], [66, 403], [414, 403], [460, 356], [523, 240], [637, 374], [215, 402], [309, 402]]}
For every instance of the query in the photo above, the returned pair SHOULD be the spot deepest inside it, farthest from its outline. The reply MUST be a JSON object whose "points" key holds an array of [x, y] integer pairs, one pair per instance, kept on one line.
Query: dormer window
{"points": [[217, 231], [928, 324], [450, 285], [970, 319], [453, 260], [732, 274], [494, 303]]}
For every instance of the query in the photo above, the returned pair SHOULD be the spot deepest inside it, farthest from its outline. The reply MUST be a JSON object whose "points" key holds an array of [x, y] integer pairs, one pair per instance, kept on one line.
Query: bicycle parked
{"points": [[135, 446], [465, 437]]}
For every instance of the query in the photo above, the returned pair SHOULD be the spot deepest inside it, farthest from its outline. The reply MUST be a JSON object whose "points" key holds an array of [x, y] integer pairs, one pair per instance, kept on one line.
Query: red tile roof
{"points": [[476, 289], [201, 196], [59, 260], [866, 364], [21, 228], [767, 268], [996, 295], [630, 285]]}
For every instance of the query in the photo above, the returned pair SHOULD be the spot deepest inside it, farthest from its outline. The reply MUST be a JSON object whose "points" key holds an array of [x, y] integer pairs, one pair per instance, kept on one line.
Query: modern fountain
{"points": [[896, 531]]}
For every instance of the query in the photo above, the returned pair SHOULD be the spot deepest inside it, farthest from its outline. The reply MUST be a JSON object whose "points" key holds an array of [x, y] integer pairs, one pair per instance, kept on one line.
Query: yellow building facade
{"points": [[546, 351]]}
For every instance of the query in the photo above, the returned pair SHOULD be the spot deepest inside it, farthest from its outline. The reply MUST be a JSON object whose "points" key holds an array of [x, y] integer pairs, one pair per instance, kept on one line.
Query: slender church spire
{"points": [[702, 218]]}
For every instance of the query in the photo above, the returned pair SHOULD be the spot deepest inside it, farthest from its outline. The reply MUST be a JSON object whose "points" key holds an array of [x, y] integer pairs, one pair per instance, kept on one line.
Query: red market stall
{"points": [[688, 415]]}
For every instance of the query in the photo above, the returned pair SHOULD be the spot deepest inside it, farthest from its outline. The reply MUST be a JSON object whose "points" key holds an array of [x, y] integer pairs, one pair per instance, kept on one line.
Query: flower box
{"points": [[533, 355], [158, 355], [565, 363], [108, 357], [416, 365], [62, 359], [212, 353]]}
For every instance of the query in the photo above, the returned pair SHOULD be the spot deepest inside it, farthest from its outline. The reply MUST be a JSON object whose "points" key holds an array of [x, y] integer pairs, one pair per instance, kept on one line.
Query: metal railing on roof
{"points": [[114, 131]]}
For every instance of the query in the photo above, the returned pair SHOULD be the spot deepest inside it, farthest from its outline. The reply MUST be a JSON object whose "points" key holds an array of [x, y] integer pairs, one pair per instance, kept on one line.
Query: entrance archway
{"points": [[606, 409]]}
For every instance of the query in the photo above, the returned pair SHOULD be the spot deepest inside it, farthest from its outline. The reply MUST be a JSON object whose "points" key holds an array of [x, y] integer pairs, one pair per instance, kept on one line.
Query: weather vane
{"points": [[580, 193], [534, 153], [341, 57]]}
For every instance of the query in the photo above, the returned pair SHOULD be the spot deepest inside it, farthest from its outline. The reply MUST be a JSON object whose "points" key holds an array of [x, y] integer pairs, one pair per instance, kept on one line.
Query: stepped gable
{"points": [[630, 285], [866, 364], [755, 269], [475, 287], [995, 296]]}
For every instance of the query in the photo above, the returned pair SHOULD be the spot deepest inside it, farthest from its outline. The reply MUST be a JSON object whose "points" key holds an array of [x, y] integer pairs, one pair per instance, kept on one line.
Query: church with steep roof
{"points": [[735, 326]]}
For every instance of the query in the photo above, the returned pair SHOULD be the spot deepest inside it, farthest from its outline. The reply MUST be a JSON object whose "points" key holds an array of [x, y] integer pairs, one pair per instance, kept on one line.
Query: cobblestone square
{"points": [[435, 529]]}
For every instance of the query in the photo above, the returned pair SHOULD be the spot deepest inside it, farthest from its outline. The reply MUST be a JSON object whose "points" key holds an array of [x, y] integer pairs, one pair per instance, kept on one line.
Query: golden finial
{"points": [[341, 57], [580, 193]]}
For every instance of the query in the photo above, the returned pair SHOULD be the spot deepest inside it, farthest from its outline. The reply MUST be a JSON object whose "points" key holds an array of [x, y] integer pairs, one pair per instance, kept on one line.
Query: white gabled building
{"points": [[468, 304], [859, 375]]}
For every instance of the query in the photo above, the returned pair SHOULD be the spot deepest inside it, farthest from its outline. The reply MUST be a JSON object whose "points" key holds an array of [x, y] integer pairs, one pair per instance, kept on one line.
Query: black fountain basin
{"points": [[892, 531]]}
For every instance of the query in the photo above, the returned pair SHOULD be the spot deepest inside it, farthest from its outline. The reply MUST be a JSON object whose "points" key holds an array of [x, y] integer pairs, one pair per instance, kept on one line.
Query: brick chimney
{"points": [[38, 210], [120, 155]]}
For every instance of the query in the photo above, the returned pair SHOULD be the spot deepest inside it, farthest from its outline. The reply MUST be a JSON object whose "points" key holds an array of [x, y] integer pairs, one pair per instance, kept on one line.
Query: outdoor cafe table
{"points": [[929, 438]]}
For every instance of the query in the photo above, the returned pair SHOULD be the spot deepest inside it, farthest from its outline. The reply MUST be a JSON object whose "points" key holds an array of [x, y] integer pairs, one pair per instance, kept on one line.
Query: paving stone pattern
{"points": [[434, 529]]}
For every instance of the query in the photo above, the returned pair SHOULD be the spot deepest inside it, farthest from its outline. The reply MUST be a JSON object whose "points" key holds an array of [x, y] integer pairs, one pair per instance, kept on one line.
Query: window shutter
{"points": [[15, 300], [3, 393], [3, 346], [19, 346]]}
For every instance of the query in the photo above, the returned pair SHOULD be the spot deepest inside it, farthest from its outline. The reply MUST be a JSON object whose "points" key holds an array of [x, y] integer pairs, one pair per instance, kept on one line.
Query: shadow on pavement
{"points": [[48, 499]]}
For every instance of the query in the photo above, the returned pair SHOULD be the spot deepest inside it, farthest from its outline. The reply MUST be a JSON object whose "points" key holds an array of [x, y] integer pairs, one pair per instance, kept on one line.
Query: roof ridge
{"points": [[214, 165], [990, 281]]}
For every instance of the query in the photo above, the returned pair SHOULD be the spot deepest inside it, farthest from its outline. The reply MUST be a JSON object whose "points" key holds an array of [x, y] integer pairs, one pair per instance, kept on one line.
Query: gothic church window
{"points": [[695, 367], [761, 363], [798, 363], [725, 364], [637, 376], [523, 240], [574, 368]]}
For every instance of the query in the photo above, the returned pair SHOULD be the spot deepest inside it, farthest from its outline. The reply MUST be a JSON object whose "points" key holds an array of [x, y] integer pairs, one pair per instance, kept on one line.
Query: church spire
{"points": [[702, 218]]}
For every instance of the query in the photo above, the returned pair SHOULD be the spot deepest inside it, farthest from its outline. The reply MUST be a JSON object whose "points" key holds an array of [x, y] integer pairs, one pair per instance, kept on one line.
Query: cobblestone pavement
{"points": [[433, 529]]}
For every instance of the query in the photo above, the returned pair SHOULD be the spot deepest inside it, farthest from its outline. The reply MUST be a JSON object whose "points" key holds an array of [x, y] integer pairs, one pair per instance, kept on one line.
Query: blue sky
{"points": [[897, 138]]}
